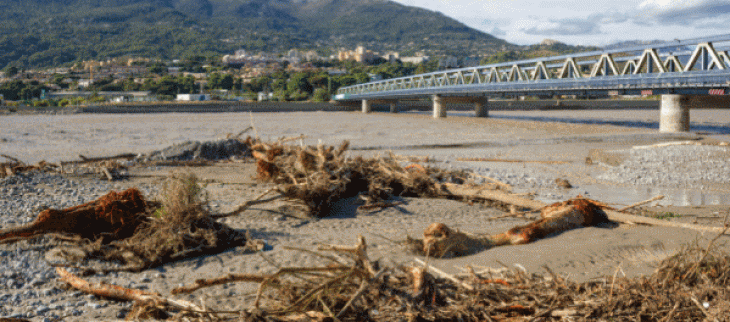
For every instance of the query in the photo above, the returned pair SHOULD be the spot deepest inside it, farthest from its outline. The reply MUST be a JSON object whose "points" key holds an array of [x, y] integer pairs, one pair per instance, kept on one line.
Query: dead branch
{"points": [[510, 160], [244, 206], [463, 191], [380, 205], [85, 160], [11, 159], [507, 187], [225, 279], [659, 197], [125, 294], [359, 252], [444, 274], [363, 287]]}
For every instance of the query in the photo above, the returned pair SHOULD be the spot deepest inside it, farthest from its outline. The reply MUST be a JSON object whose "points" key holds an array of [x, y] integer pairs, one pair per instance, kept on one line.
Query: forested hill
{"points": [[53, 32]]}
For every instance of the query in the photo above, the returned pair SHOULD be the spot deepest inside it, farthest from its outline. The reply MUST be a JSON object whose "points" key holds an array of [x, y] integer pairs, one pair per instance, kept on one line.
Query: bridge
{"points": [[683, 72]]}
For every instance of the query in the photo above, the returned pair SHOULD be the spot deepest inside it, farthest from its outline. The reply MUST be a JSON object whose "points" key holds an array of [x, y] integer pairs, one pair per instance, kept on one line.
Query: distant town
{"points": [[240, 76]]}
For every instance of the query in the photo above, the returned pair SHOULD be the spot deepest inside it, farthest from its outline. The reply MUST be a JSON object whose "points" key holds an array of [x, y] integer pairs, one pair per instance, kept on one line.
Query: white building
{"points": [[192, 97], [263, 96]]}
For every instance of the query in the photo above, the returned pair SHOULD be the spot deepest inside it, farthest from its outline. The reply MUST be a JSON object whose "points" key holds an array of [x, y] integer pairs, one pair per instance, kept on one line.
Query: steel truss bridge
{"points": [[695, 66]]}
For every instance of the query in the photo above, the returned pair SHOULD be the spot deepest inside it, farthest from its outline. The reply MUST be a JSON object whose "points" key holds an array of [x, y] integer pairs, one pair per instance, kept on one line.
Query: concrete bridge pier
{"points": [[439, 107], [367, 106], [394, 107], [481, 107], [674, 113]]}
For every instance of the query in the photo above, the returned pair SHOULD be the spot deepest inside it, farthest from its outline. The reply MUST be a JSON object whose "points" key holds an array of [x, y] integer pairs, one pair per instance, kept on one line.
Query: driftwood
{"points": [[477, 192], [84, 159], [144, 301], [114, 215], [440, 240], [350, 292], [510, 160], [16, 166], [318, 176], [641, 203], [611, 214]]}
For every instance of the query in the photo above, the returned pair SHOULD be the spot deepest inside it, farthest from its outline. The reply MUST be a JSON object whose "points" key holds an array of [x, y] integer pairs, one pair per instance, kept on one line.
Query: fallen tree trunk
{"points": [[439, 240], [611, 214]]}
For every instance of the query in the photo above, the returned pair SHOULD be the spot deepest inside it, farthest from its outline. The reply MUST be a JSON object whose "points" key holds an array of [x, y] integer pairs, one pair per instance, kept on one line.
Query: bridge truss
{"points": [[695, 66]]}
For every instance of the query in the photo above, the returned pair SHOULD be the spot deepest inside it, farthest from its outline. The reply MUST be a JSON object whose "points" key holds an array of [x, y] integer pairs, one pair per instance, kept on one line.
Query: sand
{"points": [[580, 254]]}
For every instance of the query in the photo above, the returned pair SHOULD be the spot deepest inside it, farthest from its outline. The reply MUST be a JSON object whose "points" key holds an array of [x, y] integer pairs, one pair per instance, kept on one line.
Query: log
{"points": [[84, 159], [450, 189], [612, 215], [122, 293]]}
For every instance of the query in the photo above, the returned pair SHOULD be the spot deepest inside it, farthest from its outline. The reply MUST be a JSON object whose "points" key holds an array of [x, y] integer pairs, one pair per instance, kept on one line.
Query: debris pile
{"points": [[181, 227], [124, 228], [690, 286], [319, 176], [197, 151], [14, 166]]}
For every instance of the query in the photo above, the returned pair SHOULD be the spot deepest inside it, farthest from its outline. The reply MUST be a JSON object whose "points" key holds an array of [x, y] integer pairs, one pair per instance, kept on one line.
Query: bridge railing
{"points": [[670, 61]]}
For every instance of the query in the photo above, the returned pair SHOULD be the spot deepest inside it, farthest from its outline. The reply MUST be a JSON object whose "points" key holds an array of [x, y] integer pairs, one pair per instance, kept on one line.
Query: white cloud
{"points": [[682, 12], [562, 27]]}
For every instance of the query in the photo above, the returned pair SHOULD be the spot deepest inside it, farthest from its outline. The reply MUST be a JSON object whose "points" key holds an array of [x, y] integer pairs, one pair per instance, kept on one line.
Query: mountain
{"points": [[639, 43], [54, 32]]}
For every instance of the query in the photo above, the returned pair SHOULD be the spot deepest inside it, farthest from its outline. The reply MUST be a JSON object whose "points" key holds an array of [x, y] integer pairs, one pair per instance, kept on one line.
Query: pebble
{"points": [[690, 166], [96, 306], [41, 309]]}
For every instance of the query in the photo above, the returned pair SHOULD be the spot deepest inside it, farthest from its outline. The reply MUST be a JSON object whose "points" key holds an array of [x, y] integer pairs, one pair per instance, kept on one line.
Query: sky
{"points": [[587, 22]]}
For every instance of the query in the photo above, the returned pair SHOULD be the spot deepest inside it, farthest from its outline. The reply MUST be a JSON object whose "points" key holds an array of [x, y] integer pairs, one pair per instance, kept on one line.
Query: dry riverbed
{"points": [[527, 154]]}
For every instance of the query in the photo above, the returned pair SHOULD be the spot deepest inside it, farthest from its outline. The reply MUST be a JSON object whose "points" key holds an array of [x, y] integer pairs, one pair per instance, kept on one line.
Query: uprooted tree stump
{"points": [[182, 227], [441, 241], [124, 228], [116, 215], [318, 176]]}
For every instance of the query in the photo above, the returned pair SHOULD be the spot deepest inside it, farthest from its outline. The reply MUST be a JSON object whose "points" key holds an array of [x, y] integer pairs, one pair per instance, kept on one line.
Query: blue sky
{"points": [[586, 22]]}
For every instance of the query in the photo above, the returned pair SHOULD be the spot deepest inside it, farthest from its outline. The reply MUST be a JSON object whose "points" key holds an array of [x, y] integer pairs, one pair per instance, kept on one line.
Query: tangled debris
{"points": [[690, 286], [124, 228], [14, 166], [181, 227], [319, 176]]}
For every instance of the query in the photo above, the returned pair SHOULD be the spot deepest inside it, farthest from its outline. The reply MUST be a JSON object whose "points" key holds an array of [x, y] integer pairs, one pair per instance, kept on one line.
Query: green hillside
{"points": [[54, 32]]}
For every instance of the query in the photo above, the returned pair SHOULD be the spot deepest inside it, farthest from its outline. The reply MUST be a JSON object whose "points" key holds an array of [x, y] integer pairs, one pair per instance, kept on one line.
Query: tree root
{"points": [[114, 216]]}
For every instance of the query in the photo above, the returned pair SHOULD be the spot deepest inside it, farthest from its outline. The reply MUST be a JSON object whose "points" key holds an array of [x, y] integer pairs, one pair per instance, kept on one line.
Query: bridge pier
{"points": [[674, 113], [481, 107], [394, 107], [367, 106], [439, 108]]}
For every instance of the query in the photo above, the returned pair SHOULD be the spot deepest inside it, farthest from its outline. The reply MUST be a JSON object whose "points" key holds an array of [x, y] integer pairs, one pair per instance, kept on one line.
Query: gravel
{"points": [[680, 166]]}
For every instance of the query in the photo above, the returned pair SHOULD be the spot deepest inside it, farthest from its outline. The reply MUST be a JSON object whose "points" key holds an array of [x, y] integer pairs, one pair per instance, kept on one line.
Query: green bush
{"points": [[321, 95]]}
